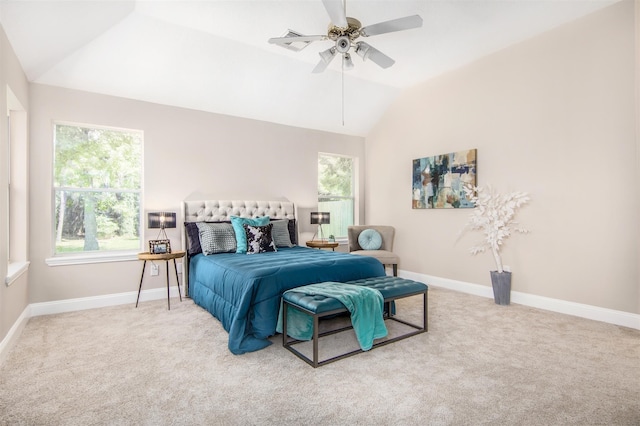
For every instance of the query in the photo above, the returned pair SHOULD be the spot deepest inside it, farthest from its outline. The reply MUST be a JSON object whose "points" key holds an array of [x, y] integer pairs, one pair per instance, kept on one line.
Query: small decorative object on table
{"points": [[493, 215], [332, 239], [159, 246]]}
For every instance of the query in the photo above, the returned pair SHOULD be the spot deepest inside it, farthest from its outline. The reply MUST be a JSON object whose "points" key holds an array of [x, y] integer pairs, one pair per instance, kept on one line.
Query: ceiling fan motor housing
{"points": [[352, 31]]}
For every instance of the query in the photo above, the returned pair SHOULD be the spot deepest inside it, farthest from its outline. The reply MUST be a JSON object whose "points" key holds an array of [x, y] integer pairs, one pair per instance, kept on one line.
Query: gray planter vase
{"points": [[501, 282]]}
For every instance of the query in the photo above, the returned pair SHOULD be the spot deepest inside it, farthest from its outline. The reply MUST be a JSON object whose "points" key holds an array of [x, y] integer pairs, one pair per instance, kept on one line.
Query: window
{"points": [[17, 188], [98, 188], [9, 167], [336, 192]]}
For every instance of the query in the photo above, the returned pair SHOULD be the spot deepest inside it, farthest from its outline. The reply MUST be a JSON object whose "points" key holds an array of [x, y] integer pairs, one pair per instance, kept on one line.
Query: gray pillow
{"points": [[280, 233], [216, 238]]}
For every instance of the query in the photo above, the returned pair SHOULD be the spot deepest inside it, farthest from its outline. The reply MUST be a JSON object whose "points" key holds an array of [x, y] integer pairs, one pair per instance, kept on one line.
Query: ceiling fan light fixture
{"points": [[328, 54], [347, 63], [363, 50]]}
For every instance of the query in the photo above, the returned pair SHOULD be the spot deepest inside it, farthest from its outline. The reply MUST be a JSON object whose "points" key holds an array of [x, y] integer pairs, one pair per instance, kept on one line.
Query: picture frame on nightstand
{"points": [[159, 246]]}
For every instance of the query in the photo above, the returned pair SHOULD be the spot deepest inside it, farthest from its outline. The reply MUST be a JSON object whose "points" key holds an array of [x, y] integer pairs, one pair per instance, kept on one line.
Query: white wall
{"points": [[185, 151], [553, 116]]}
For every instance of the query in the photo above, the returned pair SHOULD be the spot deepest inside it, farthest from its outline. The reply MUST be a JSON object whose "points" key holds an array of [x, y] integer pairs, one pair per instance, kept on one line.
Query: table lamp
{"points": [[320, 218], [161, 220]]}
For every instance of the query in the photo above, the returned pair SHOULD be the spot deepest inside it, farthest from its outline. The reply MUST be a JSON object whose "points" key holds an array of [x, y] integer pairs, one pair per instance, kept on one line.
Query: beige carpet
{"points": [[479, 364]]}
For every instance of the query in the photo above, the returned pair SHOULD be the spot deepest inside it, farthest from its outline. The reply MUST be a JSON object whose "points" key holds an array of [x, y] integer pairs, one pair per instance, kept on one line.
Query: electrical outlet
{"points": [[179, 267], [154, 269]]}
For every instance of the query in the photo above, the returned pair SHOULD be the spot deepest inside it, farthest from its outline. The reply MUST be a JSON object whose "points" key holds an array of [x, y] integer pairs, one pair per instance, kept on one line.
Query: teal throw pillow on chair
{"points": [[370, 239]]}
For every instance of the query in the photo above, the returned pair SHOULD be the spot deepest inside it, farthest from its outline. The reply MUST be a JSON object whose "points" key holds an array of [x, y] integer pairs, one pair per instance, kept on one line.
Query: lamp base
{"points": [[162, 234]]}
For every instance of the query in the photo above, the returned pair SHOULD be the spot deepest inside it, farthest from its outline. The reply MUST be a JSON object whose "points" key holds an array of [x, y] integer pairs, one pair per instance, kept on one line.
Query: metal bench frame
{"points": [[288, 342]]}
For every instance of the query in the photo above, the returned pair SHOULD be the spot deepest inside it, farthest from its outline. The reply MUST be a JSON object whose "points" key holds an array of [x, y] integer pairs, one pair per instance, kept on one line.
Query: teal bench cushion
{"points": [[316, 304], [391, 288]]}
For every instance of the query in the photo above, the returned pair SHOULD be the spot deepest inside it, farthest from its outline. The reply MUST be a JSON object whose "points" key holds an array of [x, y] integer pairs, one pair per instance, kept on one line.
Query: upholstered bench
{"points": [[392, 288]]}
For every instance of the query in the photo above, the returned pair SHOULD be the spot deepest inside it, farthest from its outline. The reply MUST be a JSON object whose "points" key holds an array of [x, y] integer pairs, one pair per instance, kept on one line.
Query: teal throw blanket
{"points": [[365, 305]]}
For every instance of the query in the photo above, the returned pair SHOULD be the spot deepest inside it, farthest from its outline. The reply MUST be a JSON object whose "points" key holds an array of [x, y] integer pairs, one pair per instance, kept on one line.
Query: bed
{"points": [[243, 290]]}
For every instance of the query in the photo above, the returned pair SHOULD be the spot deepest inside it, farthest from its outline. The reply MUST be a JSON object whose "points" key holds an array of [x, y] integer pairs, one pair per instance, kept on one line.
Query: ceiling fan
{"points": [[345, 31]]}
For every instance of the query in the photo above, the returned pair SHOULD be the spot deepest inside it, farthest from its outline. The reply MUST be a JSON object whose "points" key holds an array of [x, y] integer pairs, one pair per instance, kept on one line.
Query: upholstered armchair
{"points": [[384, 252]]}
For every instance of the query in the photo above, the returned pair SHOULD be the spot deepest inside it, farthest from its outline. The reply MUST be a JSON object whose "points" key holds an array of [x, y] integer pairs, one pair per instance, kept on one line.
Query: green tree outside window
{"points": [[336, 192], [97, 186]]}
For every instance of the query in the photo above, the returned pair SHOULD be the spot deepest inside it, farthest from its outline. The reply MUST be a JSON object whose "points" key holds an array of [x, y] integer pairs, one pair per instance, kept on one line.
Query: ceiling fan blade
{"points": [[322, 65], [335, 9], [286, 40], [366, 51], [400, 24], [325, 59]]}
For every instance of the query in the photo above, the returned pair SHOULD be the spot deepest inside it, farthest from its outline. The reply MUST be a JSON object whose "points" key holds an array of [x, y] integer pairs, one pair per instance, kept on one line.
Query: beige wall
{"points": [[553, 116], [185, 151], [637, 47], [13, 299]]}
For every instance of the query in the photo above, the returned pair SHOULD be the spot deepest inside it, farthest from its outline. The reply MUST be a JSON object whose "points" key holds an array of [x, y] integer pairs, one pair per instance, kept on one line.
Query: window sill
{"points": [[15, 270], [81, 259]]}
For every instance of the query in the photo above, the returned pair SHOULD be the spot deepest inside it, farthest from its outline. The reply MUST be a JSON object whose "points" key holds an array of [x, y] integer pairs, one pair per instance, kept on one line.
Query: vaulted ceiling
{"points": [[214, 56]]}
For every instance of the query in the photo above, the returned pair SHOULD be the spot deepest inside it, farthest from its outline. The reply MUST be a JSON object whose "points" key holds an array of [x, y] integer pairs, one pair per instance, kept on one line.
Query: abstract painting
{"points": [[438, 181]]}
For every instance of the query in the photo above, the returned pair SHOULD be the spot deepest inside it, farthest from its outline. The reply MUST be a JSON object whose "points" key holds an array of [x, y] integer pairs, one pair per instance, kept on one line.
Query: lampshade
{"points": [[328, 54], [161, 220], [347, 62], [363, 50], [320, 218]]}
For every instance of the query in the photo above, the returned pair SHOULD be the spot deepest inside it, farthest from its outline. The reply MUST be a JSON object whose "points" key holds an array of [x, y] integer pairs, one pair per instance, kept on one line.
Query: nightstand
{"points": [[322, 244], [166, 257]]}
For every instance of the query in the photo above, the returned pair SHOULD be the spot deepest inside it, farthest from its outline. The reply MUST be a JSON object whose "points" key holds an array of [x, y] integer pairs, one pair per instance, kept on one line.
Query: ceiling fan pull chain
{"points": [[343, 93]]}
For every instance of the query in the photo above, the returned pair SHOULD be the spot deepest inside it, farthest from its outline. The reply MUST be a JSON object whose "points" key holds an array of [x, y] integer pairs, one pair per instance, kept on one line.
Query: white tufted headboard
{"points": [[222, 210]]}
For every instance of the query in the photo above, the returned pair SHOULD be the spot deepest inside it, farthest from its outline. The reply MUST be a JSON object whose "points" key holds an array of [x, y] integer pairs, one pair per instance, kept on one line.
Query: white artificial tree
{"points": [[493, 216]]}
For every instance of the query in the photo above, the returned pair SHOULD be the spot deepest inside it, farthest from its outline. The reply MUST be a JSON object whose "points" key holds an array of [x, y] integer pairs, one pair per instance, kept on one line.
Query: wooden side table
{"points": [[166, 257], [322, 244]]}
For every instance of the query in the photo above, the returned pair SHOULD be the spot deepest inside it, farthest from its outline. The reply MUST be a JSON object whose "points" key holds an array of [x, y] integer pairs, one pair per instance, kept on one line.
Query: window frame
{"points": [[354, 189], [98, 256], [17, 180]]}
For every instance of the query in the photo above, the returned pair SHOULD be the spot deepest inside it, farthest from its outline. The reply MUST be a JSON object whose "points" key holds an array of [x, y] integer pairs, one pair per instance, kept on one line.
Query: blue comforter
{"points": [[243, 291]]}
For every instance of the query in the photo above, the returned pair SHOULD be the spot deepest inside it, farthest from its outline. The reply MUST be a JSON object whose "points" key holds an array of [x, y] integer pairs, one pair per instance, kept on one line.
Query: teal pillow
{"points": [[370, 239], [241, 237]]}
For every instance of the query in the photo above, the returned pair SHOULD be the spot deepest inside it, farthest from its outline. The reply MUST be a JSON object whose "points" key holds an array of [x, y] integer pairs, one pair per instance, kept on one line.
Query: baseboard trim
{"points": [[611, 316], [596, 313], [71, 305], [14, 333]]}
